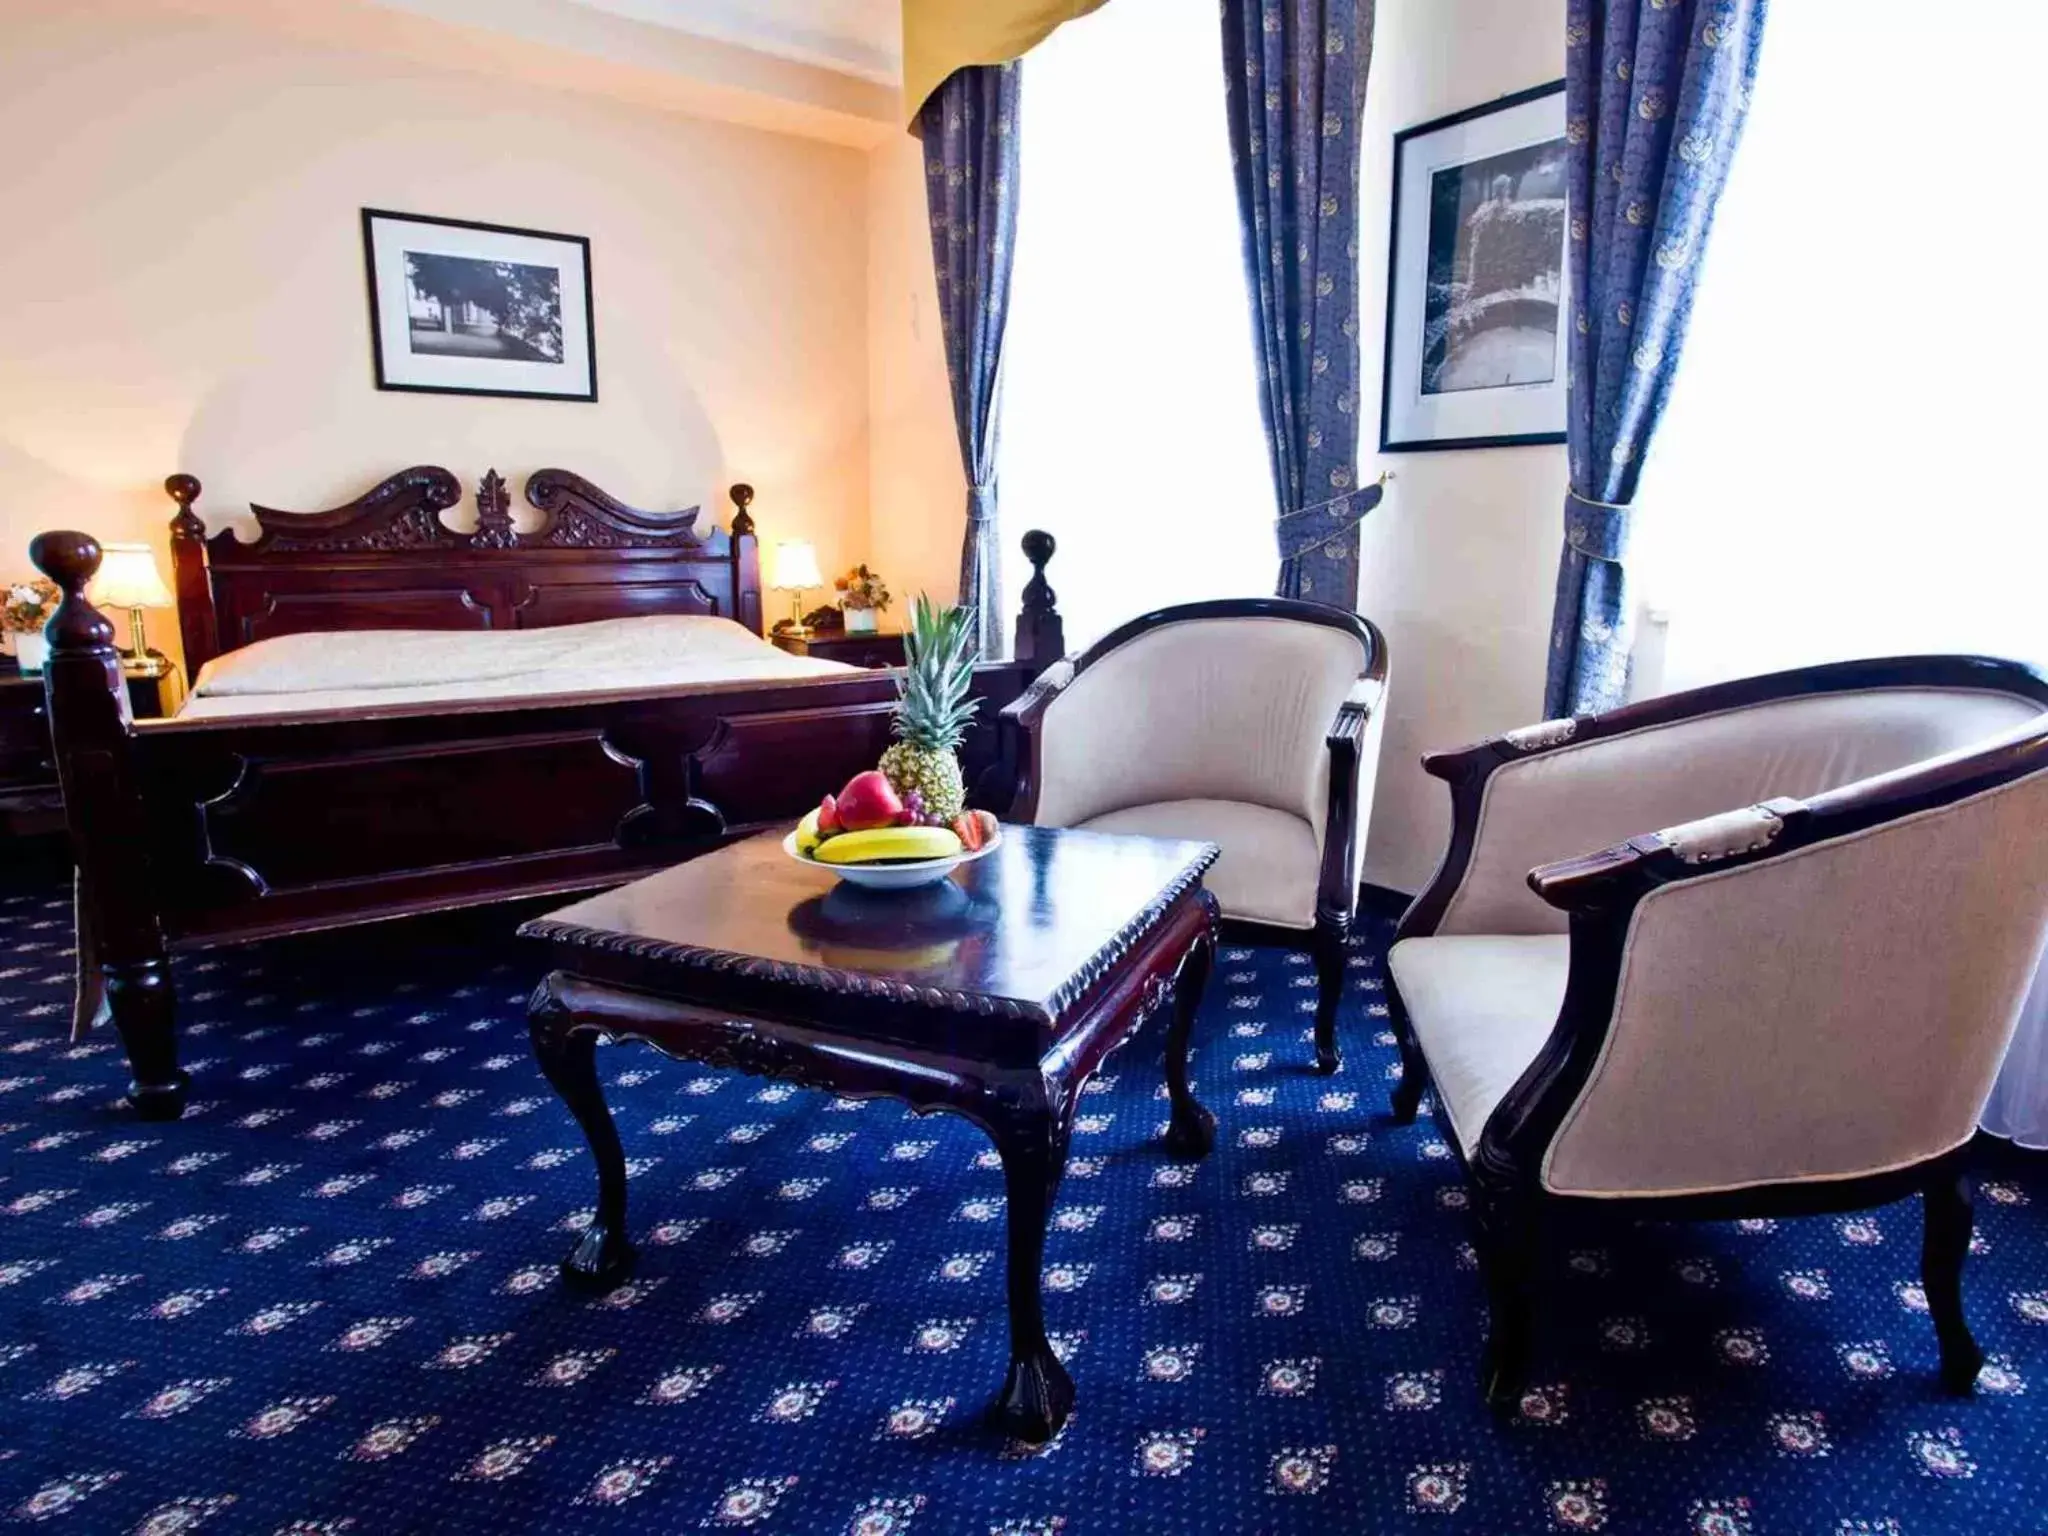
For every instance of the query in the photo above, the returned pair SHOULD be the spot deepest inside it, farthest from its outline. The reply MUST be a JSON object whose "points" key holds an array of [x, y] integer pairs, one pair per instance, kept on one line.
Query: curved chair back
{"points": [[1627, 777], [1833, 1003], [1225, 700]]}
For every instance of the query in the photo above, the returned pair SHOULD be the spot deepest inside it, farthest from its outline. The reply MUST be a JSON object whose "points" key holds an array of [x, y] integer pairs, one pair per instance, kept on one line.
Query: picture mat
{"points": [[390, 238], [1411, 418]]}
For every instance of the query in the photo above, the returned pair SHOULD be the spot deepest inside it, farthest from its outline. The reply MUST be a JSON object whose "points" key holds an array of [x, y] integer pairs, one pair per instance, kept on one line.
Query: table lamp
{"points": [[128, 578], [796, 572]]}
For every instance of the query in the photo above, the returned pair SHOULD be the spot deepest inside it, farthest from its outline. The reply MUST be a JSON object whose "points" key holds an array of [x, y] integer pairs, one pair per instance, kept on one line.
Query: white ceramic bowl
{"points": [[893, 877]]}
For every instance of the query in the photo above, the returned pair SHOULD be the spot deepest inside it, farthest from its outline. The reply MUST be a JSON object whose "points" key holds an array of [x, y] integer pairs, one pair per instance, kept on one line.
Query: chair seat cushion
{"points": [[1270, 860], [1481, 1006]]}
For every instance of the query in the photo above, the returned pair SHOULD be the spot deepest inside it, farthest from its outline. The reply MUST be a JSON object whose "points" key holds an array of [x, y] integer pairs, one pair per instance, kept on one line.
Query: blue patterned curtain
{"points": [[969, 128], [1655, 96], [1294, 76]]}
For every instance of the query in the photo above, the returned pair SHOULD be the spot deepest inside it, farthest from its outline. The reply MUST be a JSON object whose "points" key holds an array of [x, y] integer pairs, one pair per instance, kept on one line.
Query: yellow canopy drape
{"points": [[940, 36]]}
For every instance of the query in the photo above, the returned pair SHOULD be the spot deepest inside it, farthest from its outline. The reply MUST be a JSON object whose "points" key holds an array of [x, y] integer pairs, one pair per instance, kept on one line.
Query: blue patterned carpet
{"points": [[327, 1300]]}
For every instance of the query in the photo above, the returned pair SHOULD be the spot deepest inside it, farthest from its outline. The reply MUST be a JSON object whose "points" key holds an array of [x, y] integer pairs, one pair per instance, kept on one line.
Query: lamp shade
{"points": [[796, 566], [128, 578]]}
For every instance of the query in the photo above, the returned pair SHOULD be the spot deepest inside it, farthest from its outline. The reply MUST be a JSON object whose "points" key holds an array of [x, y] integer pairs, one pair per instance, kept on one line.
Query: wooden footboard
{"points": [[190, 833]]}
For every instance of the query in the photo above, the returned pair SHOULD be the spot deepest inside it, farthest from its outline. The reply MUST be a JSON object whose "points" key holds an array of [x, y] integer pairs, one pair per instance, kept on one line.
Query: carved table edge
{"points": [[834, 980]]}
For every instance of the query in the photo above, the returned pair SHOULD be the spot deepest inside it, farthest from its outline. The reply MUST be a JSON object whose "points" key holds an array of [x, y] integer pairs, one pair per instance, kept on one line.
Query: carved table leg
{"points": [[567, 1055], [144, 1005], [1038, 1394], [1192, 1130]]}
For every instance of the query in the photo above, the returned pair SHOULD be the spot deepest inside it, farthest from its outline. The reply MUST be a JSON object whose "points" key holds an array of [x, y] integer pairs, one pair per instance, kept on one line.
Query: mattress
{"points": [[397, 668]]}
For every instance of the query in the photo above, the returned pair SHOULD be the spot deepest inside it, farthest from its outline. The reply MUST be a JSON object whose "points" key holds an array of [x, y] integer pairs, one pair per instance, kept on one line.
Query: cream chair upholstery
{"points": [[1253, 724], [1793, 997]]}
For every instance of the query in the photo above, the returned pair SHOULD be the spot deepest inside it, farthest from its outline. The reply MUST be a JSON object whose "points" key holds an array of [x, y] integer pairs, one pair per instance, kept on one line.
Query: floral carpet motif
{"points": [[327, 1300]]}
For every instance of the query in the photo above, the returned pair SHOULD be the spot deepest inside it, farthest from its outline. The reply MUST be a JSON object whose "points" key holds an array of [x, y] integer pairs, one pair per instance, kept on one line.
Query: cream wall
{"points": [[1458, 563], [917, 490], [185, 289]]}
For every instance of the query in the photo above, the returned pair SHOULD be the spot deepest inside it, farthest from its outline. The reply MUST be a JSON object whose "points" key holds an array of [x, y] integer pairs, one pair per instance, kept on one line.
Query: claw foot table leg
{"points": [[1038, 1394], [567, 1054]]}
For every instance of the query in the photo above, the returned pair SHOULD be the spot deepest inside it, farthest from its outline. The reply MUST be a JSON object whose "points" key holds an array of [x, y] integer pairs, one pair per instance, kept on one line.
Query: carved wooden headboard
{"points": [[387, 561]]}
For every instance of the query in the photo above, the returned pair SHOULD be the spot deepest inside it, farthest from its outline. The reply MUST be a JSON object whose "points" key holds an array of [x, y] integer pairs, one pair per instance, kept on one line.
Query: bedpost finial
{"points": [[1041, 634], [185, 523], [742, 496], [69, 559], [1038, 549], [493, 513]]}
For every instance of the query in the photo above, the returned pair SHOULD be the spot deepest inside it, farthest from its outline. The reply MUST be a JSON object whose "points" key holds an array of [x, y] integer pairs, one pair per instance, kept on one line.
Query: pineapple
{"points": [[932, 708]]}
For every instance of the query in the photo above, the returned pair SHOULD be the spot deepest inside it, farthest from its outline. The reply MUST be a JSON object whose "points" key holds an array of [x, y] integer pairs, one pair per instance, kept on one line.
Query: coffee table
{"points": [[995, 994]]}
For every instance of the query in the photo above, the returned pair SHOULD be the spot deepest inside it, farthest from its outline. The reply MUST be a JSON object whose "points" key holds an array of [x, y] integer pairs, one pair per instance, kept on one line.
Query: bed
{"points": [[392, 718]]}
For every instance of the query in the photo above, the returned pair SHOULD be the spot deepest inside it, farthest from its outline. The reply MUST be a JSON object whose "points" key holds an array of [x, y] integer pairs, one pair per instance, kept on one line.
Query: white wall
{"points": [[1459, 562], [185, 289]]}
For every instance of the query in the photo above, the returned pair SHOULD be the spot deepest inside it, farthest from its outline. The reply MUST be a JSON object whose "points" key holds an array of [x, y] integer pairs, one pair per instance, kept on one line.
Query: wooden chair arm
{"points": [[1021, 719], [1336, 891]]}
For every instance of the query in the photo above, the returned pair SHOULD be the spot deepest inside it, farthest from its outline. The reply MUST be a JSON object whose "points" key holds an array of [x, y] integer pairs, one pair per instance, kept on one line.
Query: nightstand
{"points": [[30, 802], [884, 649]]}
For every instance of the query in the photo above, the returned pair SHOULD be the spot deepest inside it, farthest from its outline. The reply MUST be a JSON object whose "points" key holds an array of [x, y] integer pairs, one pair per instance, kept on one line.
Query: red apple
{"points": [[829, 824], [869, 800]]}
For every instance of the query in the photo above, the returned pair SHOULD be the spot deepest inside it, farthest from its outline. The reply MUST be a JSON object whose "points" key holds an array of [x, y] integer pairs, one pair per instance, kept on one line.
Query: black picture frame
{"points": [[1395, 277], [391, 372]]}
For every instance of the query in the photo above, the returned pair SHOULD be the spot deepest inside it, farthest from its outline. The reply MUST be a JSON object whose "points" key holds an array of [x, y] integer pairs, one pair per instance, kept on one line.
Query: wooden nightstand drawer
{"points": [[878, 650]]}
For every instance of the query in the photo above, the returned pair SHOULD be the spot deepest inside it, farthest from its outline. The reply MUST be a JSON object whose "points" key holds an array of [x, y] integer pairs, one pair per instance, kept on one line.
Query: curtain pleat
{"points": [[1656, 92], [969, 129], [1294, 79]]}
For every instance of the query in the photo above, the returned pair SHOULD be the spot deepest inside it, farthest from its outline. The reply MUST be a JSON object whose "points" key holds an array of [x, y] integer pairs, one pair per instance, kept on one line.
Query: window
{"points": [[1130, 410], [1850, 463]]}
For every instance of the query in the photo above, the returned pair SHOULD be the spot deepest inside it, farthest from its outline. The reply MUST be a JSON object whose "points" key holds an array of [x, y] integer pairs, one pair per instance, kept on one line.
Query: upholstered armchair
{"points": [[1252, 723], [1793, 998]]}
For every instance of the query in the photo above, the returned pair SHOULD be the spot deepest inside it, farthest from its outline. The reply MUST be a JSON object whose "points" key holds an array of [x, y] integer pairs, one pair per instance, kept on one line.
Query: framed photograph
{"points": [[458, 308], [1476, 300]]}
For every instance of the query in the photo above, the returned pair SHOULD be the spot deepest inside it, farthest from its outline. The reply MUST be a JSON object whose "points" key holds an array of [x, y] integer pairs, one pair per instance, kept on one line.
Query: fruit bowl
{"points": [[894, 876]]}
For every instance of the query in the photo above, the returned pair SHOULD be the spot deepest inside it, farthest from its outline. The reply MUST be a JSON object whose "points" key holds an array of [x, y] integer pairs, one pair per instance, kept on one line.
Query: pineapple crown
{"points": [[939, 654]]}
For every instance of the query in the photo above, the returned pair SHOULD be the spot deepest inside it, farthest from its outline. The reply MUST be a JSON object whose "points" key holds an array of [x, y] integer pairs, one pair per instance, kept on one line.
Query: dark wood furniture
{"points": [[1337, 889], [192, 832], [884, 648], [31, 801], [994, 994], [1601, 893]]}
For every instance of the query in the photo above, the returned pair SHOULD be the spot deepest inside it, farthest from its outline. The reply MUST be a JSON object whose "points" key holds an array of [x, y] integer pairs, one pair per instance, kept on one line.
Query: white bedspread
{"points": [[394, 668]]}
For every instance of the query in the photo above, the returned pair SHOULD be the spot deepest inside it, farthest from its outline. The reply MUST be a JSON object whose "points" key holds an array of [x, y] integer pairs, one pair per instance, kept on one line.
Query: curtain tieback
{"points": [[981, 502], [1596, 529], [1309, 528]]}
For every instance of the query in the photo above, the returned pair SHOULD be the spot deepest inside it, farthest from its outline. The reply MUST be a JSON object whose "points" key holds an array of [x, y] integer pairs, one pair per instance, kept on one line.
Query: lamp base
{"points": [[145, 664]]}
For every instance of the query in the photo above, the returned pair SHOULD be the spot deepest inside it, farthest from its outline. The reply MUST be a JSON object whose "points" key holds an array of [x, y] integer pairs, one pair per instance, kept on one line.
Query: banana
{"points": [[807, 832], [879, 843]]}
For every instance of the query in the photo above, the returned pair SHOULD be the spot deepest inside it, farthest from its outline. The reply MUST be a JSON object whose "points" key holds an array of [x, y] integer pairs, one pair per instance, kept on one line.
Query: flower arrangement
{"points": [[861, 588], [862, 595], [27, 606]]}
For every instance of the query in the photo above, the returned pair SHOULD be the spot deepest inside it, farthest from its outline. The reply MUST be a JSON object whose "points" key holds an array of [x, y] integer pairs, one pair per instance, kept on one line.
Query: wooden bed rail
{"points": [[189, 833]]}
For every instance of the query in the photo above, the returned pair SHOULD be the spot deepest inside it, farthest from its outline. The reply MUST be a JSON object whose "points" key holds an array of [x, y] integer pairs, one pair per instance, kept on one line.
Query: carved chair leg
{"points": [[1509, 1247], [1038, 1394], [1407, 1095], [1945, 1243], [1192, 1130], [144, 1005], [567, 1055], [1331, 932]]}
